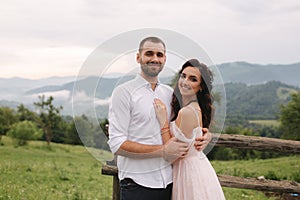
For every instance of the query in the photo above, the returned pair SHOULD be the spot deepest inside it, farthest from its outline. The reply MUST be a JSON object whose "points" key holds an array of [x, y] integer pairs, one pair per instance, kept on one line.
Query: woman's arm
{"points": [[161, 115], [165, 134], [186, 121]]}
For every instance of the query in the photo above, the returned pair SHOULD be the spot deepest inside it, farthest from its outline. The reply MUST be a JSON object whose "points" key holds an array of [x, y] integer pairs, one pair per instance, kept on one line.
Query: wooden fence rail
{"points": [[257, 143], [242, 142]]}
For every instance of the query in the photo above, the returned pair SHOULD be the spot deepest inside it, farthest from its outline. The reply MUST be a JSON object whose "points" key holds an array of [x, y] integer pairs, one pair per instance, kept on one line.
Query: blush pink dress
{"points": [[194, 178]]}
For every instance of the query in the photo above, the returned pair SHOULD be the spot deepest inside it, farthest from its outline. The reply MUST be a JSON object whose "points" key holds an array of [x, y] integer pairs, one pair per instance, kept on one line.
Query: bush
{"points": [[24, 131], [296, 176], [272, 176]]}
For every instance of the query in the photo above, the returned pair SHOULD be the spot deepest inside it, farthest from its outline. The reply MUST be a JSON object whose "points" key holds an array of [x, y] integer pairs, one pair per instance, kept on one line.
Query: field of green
{"points": [[265, 122], [37, 171], [59, 172]]}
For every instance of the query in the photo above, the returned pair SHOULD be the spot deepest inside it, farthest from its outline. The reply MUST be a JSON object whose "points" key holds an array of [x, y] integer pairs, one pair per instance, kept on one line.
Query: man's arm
{"points": [[138, 150], [170, 151]]}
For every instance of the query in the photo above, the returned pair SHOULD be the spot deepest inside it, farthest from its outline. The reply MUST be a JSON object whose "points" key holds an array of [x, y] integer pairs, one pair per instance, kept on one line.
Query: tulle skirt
{"points": [[194, 178]]}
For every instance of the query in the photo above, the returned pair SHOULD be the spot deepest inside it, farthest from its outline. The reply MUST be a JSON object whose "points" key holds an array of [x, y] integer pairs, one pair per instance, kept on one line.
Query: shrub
{"points": [[272, 176], [24, 131]]}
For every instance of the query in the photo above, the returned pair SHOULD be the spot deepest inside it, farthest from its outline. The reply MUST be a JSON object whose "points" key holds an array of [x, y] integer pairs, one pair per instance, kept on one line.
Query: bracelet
{"points": [[165, 131], [165, 128]]}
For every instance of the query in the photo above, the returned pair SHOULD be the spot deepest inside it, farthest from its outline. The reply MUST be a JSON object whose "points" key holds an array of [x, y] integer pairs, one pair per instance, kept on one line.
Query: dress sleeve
{"points": [[176, 132]]}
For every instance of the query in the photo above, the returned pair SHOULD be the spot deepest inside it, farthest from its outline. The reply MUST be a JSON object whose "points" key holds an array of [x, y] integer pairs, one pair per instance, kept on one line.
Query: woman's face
{"points": [[189, 81]]}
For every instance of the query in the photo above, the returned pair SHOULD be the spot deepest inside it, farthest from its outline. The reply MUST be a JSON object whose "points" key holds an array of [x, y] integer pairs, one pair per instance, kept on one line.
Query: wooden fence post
{"points": [[113, 171]]}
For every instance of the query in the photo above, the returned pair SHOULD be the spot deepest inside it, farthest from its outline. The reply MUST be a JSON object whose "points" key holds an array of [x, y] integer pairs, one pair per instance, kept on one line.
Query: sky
{"points": [[41, 38]]}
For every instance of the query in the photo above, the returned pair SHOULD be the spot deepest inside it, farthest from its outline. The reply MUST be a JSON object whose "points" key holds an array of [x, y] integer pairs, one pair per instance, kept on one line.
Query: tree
{"points": [[84, 129], [24, 131], [101, 135], [24, 113], [59, 131], [7, 118], [72, 136], [104, 126], [290, 118], [49, 116]]}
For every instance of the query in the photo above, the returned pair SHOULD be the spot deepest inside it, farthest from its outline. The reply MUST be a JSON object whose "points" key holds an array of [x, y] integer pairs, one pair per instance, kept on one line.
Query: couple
{"points": [[147, 144]]}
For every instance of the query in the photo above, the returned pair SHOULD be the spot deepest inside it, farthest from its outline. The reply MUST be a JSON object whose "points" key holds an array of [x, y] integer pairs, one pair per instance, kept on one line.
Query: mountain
{"points": [[11, 104], [26, 84], [92, 86], [243, 72], [14, 89], [260, 101], [244, 84], [89, 90]]}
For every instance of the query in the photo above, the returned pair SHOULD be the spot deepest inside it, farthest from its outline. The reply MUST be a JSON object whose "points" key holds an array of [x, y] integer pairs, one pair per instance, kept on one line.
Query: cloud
{"points": [[101, 101], [44, 61], [62, 95], [38, 35]]}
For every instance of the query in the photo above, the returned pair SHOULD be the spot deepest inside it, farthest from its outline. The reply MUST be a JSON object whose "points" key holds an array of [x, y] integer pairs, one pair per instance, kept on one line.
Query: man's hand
{"points": [[174, 149], [202, 142]]}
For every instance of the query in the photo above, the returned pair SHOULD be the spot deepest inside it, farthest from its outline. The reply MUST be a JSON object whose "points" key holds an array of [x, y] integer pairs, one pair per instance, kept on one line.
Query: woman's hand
{"points": [[161, 113]]}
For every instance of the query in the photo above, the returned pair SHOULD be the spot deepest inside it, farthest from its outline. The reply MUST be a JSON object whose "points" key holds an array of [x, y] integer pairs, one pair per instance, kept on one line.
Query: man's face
{"points": [[152, 58]]}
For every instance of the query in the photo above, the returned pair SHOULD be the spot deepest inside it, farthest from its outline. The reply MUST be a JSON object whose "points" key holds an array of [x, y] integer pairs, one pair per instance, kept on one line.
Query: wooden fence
{"points": [[241, 142]]}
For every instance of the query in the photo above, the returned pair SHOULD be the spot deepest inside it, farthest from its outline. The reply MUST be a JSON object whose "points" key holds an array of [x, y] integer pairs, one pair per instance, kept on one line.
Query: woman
{"points": [[193, 176]]}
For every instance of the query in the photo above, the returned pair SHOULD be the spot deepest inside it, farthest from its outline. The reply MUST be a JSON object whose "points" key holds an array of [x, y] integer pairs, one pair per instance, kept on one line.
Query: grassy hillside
{"points": [[274, 123], [284, 168], [59, 172], [70, 172]]}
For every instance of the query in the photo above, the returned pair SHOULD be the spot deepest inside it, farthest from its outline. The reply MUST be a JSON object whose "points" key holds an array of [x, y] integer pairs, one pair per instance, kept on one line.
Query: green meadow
{"points": [[274, 123], [37, 171], [57, 172]]}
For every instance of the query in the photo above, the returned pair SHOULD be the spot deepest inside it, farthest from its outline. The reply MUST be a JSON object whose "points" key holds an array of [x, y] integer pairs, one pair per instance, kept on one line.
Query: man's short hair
{"points": [[151, 39]]}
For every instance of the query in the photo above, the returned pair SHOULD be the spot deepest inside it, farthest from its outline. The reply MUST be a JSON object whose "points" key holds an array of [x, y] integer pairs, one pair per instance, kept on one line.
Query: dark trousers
{"points": [[133, 191]]}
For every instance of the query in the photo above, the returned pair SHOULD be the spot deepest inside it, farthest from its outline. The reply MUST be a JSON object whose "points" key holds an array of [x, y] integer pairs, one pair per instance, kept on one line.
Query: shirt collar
{"points": [[144, 82]]}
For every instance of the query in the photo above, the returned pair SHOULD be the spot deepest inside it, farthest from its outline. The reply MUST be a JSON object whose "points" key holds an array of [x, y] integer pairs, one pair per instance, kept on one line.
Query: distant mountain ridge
{"points": [[104, 86], [18, 82], [234, 72], [240, 79], [243, 72]]}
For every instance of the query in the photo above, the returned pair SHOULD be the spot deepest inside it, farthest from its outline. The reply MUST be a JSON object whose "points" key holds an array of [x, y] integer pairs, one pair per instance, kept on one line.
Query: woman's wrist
{"points": [[165, 129]]}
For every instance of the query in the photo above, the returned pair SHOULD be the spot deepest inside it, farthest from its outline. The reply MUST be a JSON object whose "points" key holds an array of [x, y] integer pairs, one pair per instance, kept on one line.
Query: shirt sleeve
{"points": [[119, 118]]}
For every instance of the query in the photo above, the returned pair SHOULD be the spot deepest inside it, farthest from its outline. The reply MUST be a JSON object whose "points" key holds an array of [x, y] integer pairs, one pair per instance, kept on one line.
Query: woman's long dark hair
{"points": [[204, 97]]}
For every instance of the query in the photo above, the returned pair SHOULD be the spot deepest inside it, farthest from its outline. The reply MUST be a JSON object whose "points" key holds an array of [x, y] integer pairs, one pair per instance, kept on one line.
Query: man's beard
{"points": [[152, 73]]}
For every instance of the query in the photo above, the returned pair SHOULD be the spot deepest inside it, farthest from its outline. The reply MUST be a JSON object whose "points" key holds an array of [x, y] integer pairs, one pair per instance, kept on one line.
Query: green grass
{"points": [[265, 122], [284, 168], [70, 172], [57, 172]]}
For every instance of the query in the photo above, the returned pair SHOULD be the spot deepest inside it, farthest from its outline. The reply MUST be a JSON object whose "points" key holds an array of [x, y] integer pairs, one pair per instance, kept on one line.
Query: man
{"points": [[134, 132]]}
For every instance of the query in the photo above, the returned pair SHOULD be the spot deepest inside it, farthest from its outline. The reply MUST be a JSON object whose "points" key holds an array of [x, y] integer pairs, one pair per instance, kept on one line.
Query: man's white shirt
{"points": [[132, 117]]}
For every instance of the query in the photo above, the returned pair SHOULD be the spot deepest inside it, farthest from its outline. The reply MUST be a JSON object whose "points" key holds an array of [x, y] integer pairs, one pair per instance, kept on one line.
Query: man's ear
{"points": [[138, 57]]}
